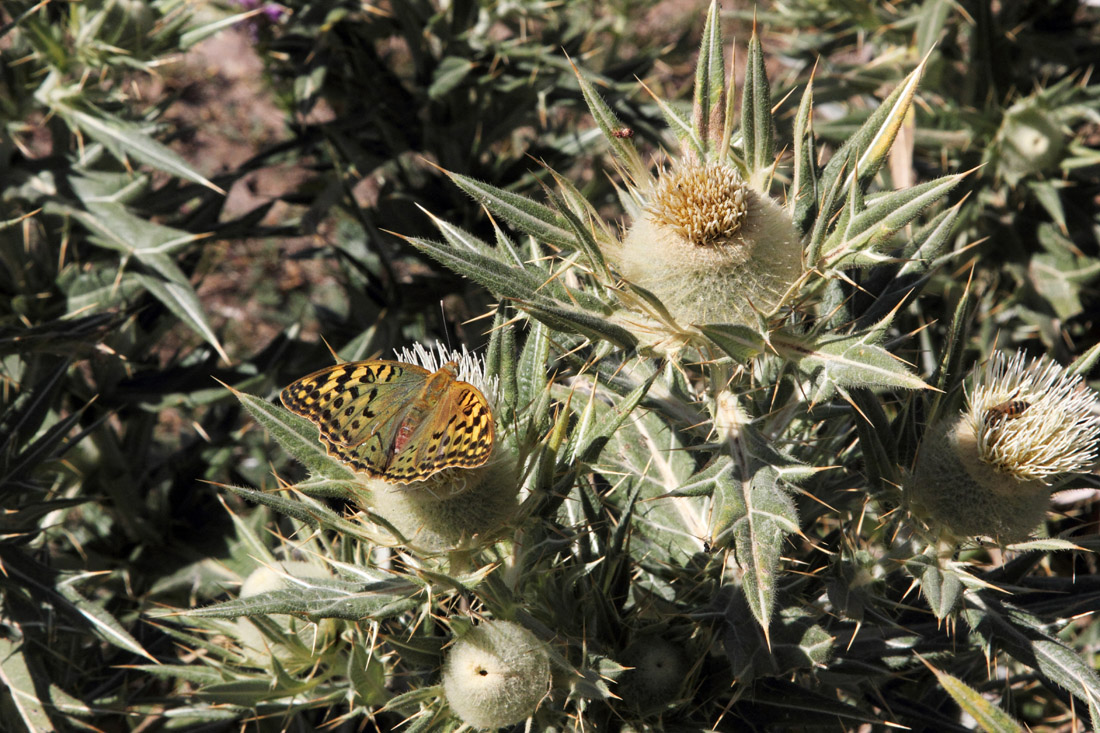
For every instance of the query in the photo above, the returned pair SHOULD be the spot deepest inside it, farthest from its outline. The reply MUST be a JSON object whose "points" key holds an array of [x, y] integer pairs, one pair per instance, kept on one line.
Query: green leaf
{"points": [[1047, 193], [756, 116], [622, 148], [930, 242], [713, 478], [1085, 362], [53, 441], [709, 102], [104, 625], [319, 598], [500, 363], [200, 32], [530, 217], [592, 325], [876, 436], [127, 140], [183, 302], [728, 505], [878, 221], [1022, 636], [590, 442], [830, 194], [803, 192], [679, 125], [583, 239], [950, 370], [531, 376], [1045, 544], [940, 586], [449, 74], [864, 153], [805, 707], [647, 451], [251, 692], [504, 280], [100, 289], [847, 361], [298, 436], [312, 513], [22, 688], [987, 715], [329, 488], [758, 540], [931, 19], [113, 226], [192, 673], [742, 343]]}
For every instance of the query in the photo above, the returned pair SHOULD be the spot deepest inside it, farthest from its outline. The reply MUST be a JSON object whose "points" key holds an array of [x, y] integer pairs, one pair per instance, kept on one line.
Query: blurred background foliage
{"points": [[129, 278]]}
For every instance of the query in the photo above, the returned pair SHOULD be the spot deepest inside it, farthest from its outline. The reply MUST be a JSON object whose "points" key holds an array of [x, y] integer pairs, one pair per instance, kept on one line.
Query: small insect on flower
{"points": [[623, 133], [1010, 409], [1043, 427]]}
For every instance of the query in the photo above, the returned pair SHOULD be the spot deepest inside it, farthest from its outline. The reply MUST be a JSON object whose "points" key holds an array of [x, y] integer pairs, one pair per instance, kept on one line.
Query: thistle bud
{"points": [[496, 674], [1030, 141], [657, 677]]}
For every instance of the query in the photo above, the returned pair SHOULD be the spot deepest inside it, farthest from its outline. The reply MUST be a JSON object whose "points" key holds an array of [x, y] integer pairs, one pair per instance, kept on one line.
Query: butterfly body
{"points": [[393, 420]]}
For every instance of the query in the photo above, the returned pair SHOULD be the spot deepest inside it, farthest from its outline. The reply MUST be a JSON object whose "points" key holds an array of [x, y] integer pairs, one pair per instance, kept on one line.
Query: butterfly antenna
{"points": [[446, 331]]}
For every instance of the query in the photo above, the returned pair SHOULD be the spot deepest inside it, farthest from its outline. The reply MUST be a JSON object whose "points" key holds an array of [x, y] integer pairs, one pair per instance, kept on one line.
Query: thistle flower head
{"points": [[709, 246], [1033, 421], [469, 368], [988, 471], [705, 204], [456, 507]]}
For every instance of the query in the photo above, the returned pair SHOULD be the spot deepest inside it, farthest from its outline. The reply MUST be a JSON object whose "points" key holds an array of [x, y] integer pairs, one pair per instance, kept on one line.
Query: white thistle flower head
{"points": [[471, 367], [1033, 421], [987, 471], [457, 507]]}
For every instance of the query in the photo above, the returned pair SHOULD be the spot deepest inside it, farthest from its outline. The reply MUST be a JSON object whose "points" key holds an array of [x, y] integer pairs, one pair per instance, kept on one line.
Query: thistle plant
{"points": [[700, 509]]}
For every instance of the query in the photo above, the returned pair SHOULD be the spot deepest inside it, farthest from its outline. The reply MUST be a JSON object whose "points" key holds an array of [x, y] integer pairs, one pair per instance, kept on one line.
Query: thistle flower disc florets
{"points": [[704, 204], [1033, 421]]}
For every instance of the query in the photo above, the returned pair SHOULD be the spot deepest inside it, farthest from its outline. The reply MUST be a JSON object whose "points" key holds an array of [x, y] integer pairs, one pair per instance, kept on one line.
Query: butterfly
{"points": [[396, 421]]}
